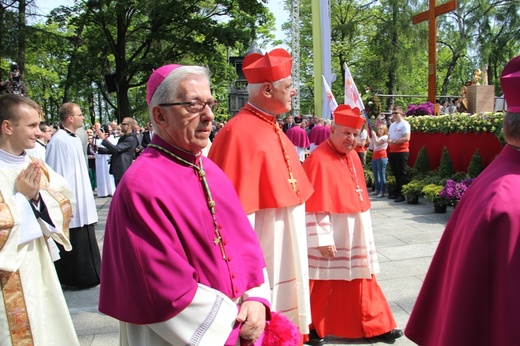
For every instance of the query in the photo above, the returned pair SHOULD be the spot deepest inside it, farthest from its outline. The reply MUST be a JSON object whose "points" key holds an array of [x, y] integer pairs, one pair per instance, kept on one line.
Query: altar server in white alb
{"points": [[79, 268], [35, 209]]}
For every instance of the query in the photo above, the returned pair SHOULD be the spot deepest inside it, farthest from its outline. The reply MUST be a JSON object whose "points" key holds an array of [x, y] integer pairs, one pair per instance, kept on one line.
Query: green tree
{"points": [[446, 169], [129, 38], [478, 33]]}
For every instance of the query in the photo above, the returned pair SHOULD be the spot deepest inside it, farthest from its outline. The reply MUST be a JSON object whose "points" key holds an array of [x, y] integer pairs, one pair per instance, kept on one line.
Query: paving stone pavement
{"points": [[406, 237]]}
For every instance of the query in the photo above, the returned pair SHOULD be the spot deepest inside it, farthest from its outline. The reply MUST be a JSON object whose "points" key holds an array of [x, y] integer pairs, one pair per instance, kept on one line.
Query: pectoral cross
{"points": [[431, 16], [218, 241], [292, 181], [359, 191]]}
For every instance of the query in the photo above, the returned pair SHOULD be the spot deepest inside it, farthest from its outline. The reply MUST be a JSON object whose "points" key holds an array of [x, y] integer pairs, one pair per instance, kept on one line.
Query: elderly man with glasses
{"points": [[263, 165], [398, 144], [181, 262]]}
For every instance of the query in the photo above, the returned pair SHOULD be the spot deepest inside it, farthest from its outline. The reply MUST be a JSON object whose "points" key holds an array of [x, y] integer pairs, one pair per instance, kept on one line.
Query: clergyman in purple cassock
{"points": [[470, 295]]}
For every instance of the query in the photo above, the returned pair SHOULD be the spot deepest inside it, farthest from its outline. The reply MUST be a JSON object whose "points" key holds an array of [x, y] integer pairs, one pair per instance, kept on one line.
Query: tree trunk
{"points": [[449, 73], [21, 35]]}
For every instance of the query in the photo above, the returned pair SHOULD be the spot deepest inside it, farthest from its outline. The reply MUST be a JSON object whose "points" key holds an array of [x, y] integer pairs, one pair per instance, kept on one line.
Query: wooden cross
{"points": [[431, 16], [359, 191], [293, 182]]}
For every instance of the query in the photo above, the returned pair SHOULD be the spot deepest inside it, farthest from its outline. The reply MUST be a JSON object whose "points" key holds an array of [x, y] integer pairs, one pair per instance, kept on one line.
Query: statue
{"points": [[477, 77], [463, 100]]}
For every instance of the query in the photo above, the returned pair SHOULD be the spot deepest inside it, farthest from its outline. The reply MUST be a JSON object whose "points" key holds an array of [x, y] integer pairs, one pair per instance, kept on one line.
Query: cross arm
{"points": [[439, 10]]}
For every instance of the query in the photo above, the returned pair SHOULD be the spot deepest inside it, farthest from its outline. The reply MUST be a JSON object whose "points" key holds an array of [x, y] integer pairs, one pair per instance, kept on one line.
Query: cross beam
{"points": [[431, 16]]}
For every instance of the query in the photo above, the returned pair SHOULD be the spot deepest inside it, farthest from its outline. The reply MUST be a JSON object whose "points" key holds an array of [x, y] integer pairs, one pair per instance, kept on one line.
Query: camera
{"points": [[15, 84]]}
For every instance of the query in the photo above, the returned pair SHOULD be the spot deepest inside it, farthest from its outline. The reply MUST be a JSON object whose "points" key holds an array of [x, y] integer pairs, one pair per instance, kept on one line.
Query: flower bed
{"points": [[458, 123], [462, 134]]}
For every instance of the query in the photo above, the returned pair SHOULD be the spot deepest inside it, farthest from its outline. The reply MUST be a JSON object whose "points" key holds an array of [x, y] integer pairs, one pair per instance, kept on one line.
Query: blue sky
{"points": [[281, 15]]}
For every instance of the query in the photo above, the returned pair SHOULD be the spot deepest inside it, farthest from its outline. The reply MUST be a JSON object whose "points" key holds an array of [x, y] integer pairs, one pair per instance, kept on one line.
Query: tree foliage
{"points": [[70, 56], [386, 53], [125, 40]]}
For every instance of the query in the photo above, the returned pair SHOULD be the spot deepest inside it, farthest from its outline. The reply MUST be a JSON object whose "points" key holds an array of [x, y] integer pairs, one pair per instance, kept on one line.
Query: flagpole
{"points": [[316, 39]]}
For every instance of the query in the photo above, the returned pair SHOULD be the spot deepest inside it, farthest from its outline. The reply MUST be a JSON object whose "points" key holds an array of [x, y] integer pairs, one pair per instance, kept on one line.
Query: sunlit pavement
{"points": [[406, 238]]}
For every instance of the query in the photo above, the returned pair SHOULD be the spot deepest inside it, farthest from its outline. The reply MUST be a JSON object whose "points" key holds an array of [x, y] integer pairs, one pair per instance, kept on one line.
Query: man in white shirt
{"points": [[398, 142]]}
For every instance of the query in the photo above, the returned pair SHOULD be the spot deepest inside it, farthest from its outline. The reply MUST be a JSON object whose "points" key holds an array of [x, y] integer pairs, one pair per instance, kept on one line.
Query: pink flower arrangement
{"points": [[426, 108], [453, 191]]}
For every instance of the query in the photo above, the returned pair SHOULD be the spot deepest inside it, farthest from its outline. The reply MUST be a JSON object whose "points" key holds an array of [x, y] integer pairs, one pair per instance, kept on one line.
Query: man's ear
{"points": [[7, 127], [267, 89], [158, 116]]}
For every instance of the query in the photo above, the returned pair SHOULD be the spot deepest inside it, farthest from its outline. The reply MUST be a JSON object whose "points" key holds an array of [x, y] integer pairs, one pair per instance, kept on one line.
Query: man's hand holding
{"points": [[252, 314]]}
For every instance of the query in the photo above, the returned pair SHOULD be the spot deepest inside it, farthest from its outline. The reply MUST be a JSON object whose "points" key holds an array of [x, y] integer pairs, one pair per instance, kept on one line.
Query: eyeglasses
{"points": [[396, 113], [194, 106], [125, 124]]}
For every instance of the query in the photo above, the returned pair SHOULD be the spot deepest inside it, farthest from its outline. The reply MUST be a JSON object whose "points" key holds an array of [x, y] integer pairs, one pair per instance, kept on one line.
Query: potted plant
{"points": [[431, 192], [412, 191], [453, 191]]}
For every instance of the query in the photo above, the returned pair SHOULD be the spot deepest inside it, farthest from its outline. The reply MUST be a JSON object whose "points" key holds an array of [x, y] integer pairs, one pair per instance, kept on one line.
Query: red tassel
{"points": [[279, 331]]}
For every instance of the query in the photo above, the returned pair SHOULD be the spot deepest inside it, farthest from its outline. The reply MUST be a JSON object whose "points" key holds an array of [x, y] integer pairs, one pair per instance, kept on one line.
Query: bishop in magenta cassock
{"points": [[265, 170], [298, 136], [346, 300], [181, 262], [470, 293]]}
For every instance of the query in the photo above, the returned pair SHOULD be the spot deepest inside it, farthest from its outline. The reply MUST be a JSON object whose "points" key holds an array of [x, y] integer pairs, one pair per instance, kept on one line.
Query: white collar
{"points": [[9, 160]]}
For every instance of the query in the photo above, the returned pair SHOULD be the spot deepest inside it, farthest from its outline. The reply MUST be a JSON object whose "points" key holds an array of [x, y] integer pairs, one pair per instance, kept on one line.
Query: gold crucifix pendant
{"points": [[292, 181], [359, 191], [218, 241]]}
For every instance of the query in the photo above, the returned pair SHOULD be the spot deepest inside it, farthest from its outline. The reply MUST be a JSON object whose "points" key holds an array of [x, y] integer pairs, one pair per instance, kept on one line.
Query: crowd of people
{"points": [[262, 236]]}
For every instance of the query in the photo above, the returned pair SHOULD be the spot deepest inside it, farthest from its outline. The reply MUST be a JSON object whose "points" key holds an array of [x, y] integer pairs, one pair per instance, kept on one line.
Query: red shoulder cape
{"points": [[248, 150], [334, 188]]}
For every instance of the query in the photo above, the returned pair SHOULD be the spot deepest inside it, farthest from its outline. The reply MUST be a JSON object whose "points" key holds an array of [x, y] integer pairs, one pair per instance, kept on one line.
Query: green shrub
{"points": [[475, 165], [413, 188], [368, 157], [390, 183], [432, 179], [422, 163], [446, 169], [459, 176], [369, 177], [431, 193]]}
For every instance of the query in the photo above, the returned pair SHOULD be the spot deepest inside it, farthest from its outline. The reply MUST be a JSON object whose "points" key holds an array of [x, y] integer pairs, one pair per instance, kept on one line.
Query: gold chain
{"points": [[209, 198], [286, 157], [353, 175]]}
